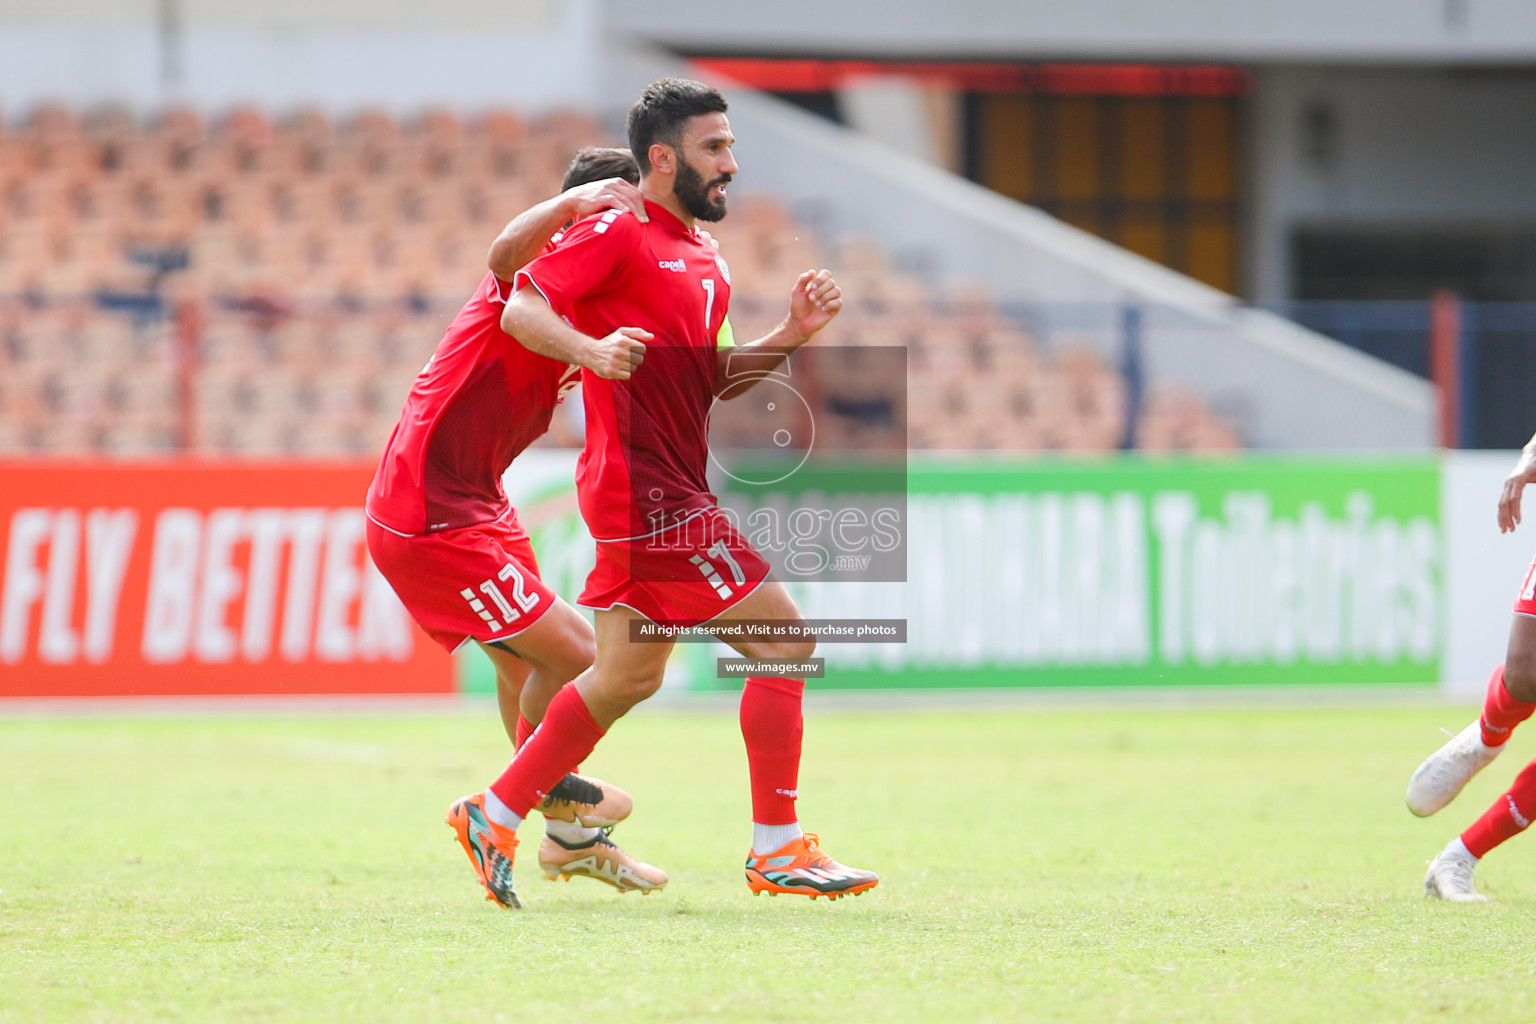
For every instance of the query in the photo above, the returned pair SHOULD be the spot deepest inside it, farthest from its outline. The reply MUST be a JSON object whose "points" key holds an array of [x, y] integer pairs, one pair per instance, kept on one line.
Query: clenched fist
{"points": [[619, 354]]}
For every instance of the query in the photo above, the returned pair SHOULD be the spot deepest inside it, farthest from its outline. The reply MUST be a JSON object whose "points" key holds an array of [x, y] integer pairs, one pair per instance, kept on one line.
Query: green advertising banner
{"points": [[1119, 572], [1134, 572]]}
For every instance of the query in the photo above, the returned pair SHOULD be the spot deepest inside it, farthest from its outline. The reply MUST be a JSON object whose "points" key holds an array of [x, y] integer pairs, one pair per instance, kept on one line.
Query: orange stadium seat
{"points": [[327, 254]]}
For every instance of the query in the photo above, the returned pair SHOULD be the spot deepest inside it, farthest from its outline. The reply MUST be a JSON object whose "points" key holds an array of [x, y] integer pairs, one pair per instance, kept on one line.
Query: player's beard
{"points": [[692, 191]]}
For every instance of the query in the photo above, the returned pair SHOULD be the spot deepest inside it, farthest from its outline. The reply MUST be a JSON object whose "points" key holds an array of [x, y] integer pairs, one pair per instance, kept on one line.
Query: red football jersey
{"points": [[642, 468], [481, 400]]}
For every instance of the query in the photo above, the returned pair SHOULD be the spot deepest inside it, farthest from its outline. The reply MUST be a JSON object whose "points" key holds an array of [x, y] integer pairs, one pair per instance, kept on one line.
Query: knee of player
{"points": [[583, 648], [794, 650], [571, 649], [1520, 672], [636, 688]]}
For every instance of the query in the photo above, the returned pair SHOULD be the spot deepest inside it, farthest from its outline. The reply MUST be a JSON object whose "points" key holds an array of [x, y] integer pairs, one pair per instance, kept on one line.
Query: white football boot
{"points": [[599, 858], [1450, 878], [1447, 770]]}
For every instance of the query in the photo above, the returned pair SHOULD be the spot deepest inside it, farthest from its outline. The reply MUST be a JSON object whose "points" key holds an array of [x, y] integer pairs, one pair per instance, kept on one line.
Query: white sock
{"points": [[1457, 848], [500, 813], [570, 833], [767, 838]]}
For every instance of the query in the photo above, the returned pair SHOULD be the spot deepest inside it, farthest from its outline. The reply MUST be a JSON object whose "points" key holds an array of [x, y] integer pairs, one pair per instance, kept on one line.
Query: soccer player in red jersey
{"points": [[1510, 699], [659, 292], [442, 532]]}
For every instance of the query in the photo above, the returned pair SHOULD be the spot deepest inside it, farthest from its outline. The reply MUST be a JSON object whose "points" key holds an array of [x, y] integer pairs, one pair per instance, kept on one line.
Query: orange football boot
{"points": [[799, 867], [490, 848]]}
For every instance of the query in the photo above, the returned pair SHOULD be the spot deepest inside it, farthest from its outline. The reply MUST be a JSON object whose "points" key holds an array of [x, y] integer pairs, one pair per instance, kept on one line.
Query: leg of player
{"points": [[545, 656], [1510, 700], [557, 648], [561, 645], [622, 676], [783, 858], [624, 673], [1450, 873], [511, 674]]}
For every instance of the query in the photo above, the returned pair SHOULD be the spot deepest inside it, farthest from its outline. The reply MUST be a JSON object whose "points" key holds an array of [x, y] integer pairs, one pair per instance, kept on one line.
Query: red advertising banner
{"points": [[199, 579]]}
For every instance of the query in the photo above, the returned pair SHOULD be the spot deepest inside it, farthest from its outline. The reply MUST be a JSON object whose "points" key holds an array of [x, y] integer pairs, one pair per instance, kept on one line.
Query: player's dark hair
{"points": [[663, 109], [596, 163]]}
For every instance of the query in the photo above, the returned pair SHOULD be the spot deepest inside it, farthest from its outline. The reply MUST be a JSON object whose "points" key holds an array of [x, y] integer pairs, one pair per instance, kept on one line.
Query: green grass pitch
{"points": [[1040, 864]]}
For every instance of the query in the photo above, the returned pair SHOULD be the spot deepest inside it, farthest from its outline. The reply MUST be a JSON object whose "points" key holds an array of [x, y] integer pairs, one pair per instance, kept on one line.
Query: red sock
{"points": [[1501, 712], [565, 738], [524, 730], [772, 725], [1508, 817]]}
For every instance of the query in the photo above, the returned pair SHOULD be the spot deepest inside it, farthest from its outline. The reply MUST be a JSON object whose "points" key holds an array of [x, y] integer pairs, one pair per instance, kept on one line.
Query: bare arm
{"points": [[528, 232], [1509, 499], [813, 302], [529, 319]]}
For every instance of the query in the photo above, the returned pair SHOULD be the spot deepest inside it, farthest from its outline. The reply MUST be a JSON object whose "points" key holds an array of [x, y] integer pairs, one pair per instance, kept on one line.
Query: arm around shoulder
{"points": [[524, 236], [527, 233]]}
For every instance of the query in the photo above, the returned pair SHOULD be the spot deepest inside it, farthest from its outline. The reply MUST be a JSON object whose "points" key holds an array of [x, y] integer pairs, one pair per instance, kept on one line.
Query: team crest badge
{"points": [[725, 271]]}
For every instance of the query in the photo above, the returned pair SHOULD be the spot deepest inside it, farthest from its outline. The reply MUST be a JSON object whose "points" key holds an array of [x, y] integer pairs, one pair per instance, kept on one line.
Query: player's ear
{"points": [[663, 159]]}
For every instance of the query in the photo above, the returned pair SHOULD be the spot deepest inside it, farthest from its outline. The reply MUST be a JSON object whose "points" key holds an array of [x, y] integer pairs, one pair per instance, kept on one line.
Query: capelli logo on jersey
{"points": [[678, 266]]}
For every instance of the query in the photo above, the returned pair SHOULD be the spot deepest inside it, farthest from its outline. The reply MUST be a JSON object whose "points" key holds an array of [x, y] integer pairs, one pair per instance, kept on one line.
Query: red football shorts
{"points": [[687, 574], [479, 582], [1525, 601]]}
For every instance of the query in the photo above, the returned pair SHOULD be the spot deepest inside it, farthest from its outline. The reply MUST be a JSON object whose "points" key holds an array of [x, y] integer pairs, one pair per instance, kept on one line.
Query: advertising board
{"points": [[1125, 572], [198, 579]]}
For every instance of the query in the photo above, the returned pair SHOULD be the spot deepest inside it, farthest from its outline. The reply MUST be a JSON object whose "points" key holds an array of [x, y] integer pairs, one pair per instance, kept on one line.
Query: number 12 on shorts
{"points": [[522, 601]]}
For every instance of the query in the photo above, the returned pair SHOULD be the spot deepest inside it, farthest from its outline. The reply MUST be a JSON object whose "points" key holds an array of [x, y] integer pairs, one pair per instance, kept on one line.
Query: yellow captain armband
{"points": [[727, 337]]}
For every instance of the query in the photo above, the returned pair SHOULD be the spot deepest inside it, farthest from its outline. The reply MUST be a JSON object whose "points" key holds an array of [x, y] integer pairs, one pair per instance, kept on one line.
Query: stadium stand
{"points": [[262, 286]]}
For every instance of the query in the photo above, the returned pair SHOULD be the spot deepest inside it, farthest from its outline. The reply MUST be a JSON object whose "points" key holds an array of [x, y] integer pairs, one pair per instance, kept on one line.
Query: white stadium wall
{"points": [[339, 55], [534, 53], [1358, 30]]}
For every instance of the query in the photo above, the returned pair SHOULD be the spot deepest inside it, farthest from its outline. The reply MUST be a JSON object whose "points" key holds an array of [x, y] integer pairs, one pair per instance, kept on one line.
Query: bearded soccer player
{"points": [[1510, 699], [442, 532], [665, 552]]}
